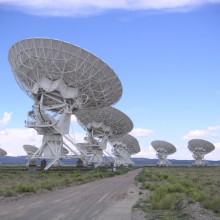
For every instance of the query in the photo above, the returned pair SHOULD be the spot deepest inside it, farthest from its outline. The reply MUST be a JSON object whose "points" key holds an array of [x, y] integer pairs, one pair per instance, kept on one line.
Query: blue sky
{"points": [[167, 58]]}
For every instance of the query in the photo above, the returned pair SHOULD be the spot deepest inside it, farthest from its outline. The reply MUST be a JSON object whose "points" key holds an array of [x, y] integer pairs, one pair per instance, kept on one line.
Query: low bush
{"points": [[213, 203], [169, 189], [22, 188]]}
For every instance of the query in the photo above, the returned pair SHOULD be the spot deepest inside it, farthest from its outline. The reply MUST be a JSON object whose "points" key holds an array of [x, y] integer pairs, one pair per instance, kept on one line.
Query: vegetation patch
{"points": [[170, 186], [17, 182]]}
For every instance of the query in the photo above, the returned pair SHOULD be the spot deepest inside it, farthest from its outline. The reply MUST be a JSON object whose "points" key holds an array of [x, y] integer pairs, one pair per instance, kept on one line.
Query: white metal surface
{"points": [[163, 149], [60, 77], [63, 72], [100, 125], [200, 148], [123, 147]]}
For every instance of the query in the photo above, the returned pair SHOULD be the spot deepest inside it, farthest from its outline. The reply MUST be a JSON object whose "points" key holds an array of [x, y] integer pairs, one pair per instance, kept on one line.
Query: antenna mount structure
{"points": [[200, 148], [163, 149], [101, 124], [123, 147], [60, 78]]}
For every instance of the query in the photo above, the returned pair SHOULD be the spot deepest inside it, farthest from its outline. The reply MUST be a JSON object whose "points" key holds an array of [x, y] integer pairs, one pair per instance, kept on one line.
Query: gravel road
{"points": [[106, 199]]}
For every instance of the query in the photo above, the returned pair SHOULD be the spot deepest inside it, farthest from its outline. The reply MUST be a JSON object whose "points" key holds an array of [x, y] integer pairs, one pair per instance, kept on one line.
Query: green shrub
{"points": [[167, 202], [22, 188], [199, 196], [154, 186], [175, 188], [80, 178], [145, 186], [213, 204], [9, 193]]}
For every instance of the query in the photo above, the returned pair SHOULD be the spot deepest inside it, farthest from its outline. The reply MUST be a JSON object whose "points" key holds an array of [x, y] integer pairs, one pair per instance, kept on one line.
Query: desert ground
{"points": [[107, 199], [162, 193]]}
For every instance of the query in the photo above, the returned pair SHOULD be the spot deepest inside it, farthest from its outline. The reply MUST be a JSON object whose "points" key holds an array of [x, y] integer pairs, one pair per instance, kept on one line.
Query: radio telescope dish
{"points": [[163, 149], [2, 153], [131, 143], [200, 148], [100, 125], [61, 78], [63, 73], [30, 149], [123, 147], [106, 121]]}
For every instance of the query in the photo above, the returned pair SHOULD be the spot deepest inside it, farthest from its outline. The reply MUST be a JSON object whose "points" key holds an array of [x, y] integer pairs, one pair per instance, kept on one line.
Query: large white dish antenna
{"points": [[104, 121], [168, 147], [129, 141], [123, 147], [2, 152], [30, 149], [63, 73], [205, 145], [163, 149], [200, 148]]}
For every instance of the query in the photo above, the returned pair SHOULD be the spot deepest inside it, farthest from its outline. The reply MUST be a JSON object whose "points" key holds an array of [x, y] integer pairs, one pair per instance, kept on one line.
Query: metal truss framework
{"points": [[123, 147], [200, 148], [30, 150], [60, 77], [101, 124], [163, 149]]}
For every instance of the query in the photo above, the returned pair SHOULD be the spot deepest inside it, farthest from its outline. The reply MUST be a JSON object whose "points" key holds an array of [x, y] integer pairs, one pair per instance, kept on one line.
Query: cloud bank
{"points": [[6, 118], [140, 132], [92, 7], [209, 132]]}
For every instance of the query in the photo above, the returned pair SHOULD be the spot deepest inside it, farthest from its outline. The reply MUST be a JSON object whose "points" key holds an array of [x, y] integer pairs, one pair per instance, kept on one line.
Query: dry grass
{"points": [[169, 186], [14, 182]]}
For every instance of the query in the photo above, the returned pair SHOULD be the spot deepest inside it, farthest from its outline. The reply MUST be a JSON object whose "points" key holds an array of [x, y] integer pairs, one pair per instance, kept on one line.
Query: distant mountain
{"points": [[22, 160], [173, 161]]}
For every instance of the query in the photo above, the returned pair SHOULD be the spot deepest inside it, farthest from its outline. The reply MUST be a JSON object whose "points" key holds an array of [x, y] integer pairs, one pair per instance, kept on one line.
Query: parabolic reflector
{"points": [[107, 120], [2, 152], [130, 142], [65, 71], [158, 145], [30, 149], [205, 145]]}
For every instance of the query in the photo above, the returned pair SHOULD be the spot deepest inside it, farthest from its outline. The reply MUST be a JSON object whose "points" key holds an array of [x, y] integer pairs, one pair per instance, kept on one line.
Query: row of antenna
{"points": [[63, 80], [198, 147]]}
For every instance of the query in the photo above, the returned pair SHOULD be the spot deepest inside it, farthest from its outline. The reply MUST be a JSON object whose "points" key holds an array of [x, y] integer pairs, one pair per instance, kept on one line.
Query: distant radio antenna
{"points": [[200, 148], [101, 125], [163, 149], [123, 147]]}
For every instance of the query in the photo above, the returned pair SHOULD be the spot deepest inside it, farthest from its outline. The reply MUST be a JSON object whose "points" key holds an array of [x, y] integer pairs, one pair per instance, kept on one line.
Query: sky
{"points": [[165, 52]]}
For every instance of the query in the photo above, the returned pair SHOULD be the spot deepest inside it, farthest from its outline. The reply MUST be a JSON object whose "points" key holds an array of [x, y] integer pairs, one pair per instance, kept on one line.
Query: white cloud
{"points": [[12, 140], [74, 119], [6, 118], [182, 153], [201, 133], [217, 146], [148, 152], [213, 128], [140, 132], [91, 7]]}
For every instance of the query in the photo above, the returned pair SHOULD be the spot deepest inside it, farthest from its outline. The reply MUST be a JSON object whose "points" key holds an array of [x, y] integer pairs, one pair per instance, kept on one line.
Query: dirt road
{"points": [[106, 199]]}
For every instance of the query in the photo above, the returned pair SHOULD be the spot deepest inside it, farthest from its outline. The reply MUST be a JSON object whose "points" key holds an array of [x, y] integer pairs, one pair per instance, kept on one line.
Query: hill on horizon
{"points": [[22, 160]]}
